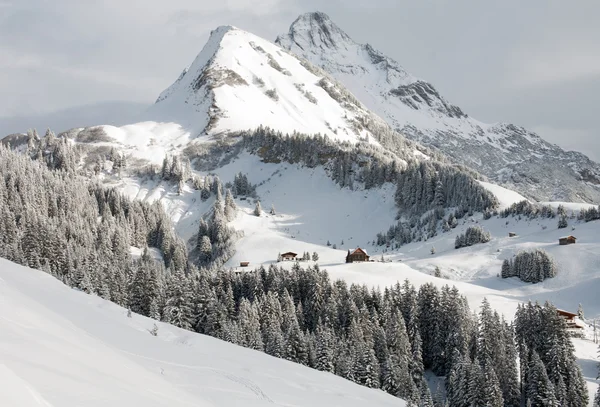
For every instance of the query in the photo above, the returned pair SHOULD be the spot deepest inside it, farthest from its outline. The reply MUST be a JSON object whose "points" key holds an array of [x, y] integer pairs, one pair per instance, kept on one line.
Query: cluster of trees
{"points": [[347, 163], [549, 372], [429, 185], [590, 214], [472, 236], [377, 339], [56, 152], [530, 266], [207, 186], [529, 210], [76, 230], [214, 242], [242, 187], [176, 169]]}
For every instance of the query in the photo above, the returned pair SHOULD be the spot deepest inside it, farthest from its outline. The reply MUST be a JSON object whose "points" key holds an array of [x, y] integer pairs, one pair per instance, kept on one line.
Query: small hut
{"points": [[244, 263], [567, 240], [512, 234]]}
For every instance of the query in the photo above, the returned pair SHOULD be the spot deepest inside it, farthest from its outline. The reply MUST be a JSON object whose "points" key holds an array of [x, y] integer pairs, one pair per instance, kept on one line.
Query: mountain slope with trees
{"points": [[506, 153]]}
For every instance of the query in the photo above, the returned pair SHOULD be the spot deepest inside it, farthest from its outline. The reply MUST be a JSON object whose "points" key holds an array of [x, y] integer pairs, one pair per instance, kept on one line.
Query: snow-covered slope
{"points": [[505, 153], [60, 347]]}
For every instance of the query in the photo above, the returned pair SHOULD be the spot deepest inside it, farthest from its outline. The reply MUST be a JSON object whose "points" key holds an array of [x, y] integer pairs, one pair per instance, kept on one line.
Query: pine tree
{"points": [[562, 222], [205, 250], [539, 389], [580, 312], [506, 269], [249, 326], [178, 310], [324, 348], [315, 256], [257, 209], [597, 399], [296, 349], [230, 206]]}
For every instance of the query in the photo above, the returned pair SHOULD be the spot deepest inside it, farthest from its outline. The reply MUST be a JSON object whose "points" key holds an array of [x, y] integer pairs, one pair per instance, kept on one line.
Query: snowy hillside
{"points": [[61, 347], [505, 153]]}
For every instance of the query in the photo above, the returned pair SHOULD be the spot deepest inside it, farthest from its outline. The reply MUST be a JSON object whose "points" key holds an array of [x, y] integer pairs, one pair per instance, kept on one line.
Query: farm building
{"points": [[244, 263], [289, 256], [567, 240], [357, 254]]}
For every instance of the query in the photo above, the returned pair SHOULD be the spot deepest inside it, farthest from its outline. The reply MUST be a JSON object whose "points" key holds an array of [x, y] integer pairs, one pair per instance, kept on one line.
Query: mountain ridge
{"points": [[503, 152]]}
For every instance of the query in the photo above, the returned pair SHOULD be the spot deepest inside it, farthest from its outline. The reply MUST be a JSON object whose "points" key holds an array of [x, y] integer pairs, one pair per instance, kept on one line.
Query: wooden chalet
{"points": [[512, 234], [570, 319], [357, 254], [567, 240], [244, 263], [289, 256]]}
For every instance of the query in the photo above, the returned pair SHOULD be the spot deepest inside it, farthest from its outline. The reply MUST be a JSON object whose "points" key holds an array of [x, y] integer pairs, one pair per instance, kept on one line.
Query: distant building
{"points": [[572, 320], [289, 256], [357, 255], [244, 263], [567, 240], [512, 234]]}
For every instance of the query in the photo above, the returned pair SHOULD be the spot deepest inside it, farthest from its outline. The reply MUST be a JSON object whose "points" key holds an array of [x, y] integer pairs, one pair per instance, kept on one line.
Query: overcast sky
{"points": [[534, 63]]}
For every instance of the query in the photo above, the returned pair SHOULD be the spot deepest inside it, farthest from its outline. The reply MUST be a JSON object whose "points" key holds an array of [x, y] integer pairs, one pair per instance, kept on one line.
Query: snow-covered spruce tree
{"points": [[249, 325], [230, 206], [257, 209], [206, 250], [562, 222], [178, 310], [507, 269], [324, 348]]}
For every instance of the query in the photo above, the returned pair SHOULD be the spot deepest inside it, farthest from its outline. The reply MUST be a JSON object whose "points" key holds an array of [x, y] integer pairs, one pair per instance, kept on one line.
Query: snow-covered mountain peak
{"points": [[505, 153], [240, 81], [331, 48], [317, 29]]}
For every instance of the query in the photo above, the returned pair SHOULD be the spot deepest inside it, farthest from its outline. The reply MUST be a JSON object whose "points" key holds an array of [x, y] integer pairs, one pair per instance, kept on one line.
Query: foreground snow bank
{"points": [[60, 347]]}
